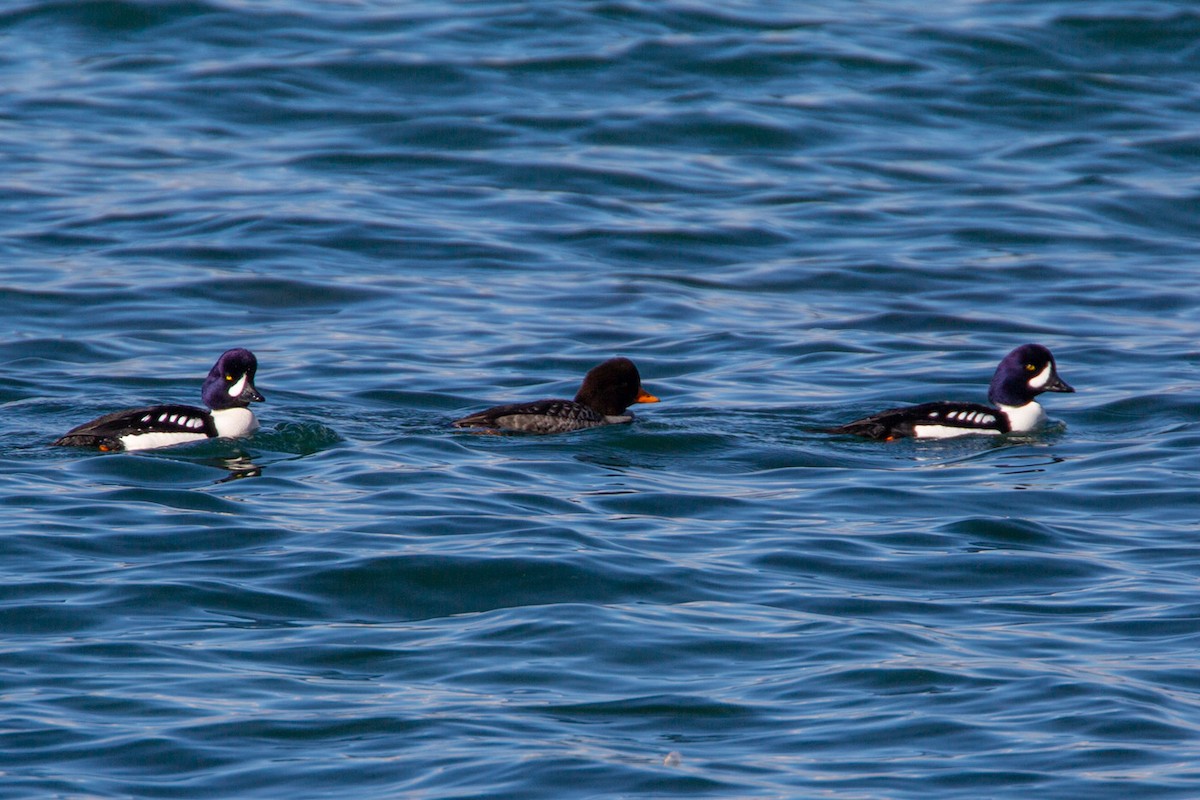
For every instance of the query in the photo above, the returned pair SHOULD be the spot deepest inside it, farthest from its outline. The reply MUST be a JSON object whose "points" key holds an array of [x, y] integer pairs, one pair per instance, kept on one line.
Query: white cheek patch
{"points": [[237, 388], [1039, 380]]}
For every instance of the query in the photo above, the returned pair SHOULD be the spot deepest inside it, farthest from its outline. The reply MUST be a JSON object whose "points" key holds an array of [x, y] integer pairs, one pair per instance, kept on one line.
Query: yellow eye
{"points": [[1030, 368], [228, 377]]}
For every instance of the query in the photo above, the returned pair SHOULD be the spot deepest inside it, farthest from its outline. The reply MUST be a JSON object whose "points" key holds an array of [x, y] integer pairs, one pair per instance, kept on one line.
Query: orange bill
{"points": [[645, 397]]}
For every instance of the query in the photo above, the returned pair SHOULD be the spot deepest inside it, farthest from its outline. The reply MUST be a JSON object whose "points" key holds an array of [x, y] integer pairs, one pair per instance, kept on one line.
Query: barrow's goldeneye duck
{"points": [[607, 391], [228, 391], [1023, 374]]}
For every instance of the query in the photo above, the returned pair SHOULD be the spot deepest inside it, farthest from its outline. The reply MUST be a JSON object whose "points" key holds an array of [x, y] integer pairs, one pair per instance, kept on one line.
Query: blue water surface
{"points": [[789, 215]]}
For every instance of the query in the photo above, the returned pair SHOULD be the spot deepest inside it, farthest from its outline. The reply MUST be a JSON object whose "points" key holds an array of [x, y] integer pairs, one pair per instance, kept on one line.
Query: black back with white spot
{"points": [[897, 423], [106, 432]]}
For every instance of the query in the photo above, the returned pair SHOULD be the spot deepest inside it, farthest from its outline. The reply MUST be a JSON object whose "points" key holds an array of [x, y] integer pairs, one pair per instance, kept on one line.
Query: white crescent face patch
{"points": [[237, 388], [1039, 380]]}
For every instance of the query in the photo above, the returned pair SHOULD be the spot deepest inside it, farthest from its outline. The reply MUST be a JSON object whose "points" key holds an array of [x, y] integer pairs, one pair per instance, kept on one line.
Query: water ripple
{"points": [[788, 217]]}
